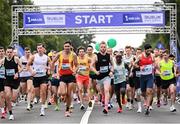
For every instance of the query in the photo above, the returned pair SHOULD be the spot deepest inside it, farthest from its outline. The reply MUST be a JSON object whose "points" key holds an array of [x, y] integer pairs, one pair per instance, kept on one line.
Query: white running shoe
{"points": [[11, 117], [28, 108], [42, 112], [150, 108], [139, 110], [35, 100], [172, 108]]}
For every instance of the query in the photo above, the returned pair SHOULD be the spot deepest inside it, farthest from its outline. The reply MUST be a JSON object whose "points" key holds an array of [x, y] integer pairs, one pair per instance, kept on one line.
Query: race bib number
{"points": [[120, 73], [2, 73], [104, 69], [82, 68], [166, 73], [65, 66], [40, 72], [138, 73], [10, 72], [147, 70]]}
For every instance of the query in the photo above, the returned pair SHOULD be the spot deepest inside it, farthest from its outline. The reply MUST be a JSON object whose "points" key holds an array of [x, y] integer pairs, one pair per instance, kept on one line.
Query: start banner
{"points": [[92, 19]]}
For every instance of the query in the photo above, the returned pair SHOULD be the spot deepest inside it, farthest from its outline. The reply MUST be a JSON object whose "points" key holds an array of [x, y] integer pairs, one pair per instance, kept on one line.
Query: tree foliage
{"points": [[153, 39], [54, 42]]}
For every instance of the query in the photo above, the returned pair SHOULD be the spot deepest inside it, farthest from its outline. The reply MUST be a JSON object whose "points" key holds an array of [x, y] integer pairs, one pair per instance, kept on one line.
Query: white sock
{"points": [[139, 105], [42, 106]]}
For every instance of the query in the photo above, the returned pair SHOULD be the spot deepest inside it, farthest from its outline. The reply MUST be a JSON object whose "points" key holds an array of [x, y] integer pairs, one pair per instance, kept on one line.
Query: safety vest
{"points": [[166, 69]]}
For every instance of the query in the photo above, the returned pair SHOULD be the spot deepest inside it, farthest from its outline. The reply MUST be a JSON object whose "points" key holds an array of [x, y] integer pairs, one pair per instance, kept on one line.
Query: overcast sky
{"points": [[134, 40]]}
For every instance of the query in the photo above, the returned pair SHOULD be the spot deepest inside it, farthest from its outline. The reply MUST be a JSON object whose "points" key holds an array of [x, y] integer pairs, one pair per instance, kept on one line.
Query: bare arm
{"points": [[92, 67], [54, 61], [30, 61], [18, 61], [112, 64]]}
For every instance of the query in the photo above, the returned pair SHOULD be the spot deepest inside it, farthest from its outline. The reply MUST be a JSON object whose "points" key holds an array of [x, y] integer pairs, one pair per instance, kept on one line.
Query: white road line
{"points": [[85, 118]]}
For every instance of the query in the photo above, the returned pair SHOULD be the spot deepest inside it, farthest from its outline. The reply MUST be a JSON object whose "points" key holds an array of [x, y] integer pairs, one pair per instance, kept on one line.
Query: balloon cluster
{"points": [[111, 44]]}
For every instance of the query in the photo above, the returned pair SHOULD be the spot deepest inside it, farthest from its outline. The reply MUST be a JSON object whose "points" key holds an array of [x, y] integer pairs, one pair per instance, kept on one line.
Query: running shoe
{"points": [[105, 111], [3, 115], [67, 114], [147, 112], [28, 108], [57, 108], [11, 117], [82, 107], [90, 104], [119, 110], [172, 108], [139, 110], [42, 113]]}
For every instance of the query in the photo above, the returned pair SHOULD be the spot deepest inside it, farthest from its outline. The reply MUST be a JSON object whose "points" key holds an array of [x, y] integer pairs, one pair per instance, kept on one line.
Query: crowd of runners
{"points": [[131, 76]]}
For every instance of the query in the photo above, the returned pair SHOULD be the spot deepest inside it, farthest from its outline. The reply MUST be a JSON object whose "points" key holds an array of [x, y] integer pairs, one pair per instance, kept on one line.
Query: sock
{"points": [[139, 104], [42, 106], [10, 112], [132, 101], [67, 108]]}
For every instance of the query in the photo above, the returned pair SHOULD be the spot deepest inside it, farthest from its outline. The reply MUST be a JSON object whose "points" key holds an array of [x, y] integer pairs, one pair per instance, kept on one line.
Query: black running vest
{"points": [[11, 68], [102, 65]]}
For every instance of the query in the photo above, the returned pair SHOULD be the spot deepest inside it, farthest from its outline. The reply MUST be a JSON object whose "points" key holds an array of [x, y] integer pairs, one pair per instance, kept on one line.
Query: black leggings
{"points": [[119, 89]]}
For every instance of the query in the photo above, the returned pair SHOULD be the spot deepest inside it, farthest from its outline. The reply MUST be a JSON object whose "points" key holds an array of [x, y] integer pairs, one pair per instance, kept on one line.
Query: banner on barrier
{"points": [[92, 19]]}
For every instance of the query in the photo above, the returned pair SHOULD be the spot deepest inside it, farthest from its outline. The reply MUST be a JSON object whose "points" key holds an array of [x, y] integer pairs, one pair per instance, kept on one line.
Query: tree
{"points": [[153, 39]]}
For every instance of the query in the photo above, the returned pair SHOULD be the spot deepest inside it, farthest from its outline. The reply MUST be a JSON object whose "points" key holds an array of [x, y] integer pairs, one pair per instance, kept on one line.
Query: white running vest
{"points": [[24, 73], [40, 65]]}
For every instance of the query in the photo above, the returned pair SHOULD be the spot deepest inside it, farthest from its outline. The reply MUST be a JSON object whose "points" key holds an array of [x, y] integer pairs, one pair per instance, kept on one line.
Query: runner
{"points": [[104, 73], [135, 74], [26, 82], [40, 63], [128, 59], [11, 63], [2, 77], [167, 73], [82, 77], [146, 61], [67, 60], [55, 83], [110, 104], [119, 80], [92, 75], [158, 58]]}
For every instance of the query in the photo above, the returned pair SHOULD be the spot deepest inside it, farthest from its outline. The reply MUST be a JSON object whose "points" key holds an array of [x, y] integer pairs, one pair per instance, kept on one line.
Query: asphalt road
{"points": [[93, 116]]}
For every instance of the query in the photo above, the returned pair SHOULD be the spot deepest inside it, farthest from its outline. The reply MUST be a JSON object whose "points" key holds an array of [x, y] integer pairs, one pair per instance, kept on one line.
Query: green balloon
{"points": [[97, 46], [111, 43]]}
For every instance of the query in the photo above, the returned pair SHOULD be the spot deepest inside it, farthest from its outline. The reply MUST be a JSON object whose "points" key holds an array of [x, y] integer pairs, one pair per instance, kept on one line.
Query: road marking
{"points": [[85, 118]]}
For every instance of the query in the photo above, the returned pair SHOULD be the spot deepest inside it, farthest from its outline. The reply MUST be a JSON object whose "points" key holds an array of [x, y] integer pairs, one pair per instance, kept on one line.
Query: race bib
{"points": [[10, 72], [138, 73], [104, 69], [82, 68], [65, 66], [147, 70], [2, 72], [166, 73], [120, 73], [40, 72]]}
